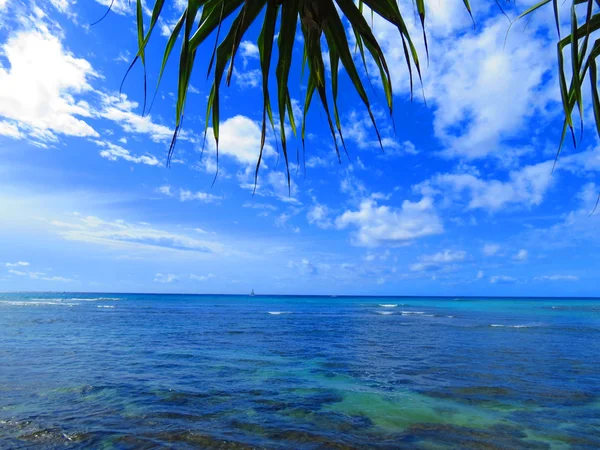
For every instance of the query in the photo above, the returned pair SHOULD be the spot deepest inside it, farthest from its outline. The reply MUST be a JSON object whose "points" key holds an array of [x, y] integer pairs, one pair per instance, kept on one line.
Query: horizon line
{"points": [[457, 297]]}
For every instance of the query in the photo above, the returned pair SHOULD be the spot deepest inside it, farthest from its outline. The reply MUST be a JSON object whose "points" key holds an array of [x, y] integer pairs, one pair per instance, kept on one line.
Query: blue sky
{"points": [[462, 202]]}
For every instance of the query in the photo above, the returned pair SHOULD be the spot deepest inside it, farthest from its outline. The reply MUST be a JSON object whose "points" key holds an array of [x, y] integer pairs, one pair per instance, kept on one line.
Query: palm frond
{"points": [[325, 18]]}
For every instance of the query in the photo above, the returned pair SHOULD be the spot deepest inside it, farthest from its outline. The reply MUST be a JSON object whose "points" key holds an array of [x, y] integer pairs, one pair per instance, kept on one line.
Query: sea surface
{"points": [[121, 371]]}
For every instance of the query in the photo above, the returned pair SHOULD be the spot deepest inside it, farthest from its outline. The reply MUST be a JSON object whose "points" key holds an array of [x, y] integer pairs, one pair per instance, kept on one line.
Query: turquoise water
{"points": [[173, 371]]}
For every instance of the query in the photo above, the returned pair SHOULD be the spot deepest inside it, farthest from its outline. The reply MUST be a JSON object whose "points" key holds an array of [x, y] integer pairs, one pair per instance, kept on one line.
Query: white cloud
{"points": [[359, 129], [438, 261], [304, 267], [165, 190], [165, 278], [521, 255], [202, 277], [17, 264], [480, 274], [187, 195], [526, 186], [490, 249], [167, 27], [239, 138], [502, 279], [317, 161], [248, 78], [62, 5], [118, 6], [282, 220], [124, 235], [114, 152], [38, 87], [260, 206], [122, 111], [380, 225], [39, 276], [557, 278], [480, 105], [10, 130], [320, 215], [249, 49], [273, 184], [3, 4]]}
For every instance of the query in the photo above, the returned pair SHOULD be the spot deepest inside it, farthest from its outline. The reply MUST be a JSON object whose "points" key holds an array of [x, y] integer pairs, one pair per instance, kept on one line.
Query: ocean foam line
{"points": [[37, 303], [391, 305], [409, 313], [384, 313], [278, 313], [104, 306], [531, 325]]}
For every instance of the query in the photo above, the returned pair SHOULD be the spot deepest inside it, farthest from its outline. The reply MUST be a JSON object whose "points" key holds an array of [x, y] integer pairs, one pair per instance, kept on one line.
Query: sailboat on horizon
{"points": [[252, 293]]}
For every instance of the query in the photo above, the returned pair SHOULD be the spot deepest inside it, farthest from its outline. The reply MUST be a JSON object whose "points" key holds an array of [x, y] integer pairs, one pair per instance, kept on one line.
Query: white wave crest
{"points": [[410, 313], [104, 306], [390, 305], [37, 303], [278, 313], [528, 325], [385, 313]]}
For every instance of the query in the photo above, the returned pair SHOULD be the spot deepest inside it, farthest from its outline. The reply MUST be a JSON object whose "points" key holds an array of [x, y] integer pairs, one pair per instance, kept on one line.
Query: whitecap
{"points": [[104, 306], [384, 313], [529, 325], [391, 305], [278, 313], [410, 313], [97, 299]]}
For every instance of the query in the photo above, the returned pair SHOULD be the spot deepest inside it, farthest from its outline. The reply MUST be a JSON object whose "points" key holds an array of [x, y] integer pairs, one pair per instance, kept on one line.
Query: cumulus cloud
{"points": [[478, 107], [43, 106], [239, 139], [249, 49], [526, 186], [380, 225]]}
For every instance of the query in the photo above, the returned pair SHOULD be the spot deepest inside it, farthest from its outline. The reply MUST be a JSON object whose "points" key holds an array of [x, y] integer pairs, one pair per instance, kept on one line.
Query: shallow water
{"points": [[151, 371]]}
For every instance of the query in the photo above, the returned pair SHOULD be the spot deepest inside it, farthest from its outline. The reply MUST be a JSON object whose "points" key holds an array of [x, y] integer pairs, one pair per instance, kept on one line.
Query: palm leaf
{"points": [[320, 18]]}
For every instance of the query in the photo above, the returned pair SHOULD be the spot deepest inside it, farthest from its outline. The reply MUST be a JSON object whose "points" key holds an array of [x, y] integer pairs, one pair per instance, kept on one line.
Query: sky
{"points": [[462, 201]]}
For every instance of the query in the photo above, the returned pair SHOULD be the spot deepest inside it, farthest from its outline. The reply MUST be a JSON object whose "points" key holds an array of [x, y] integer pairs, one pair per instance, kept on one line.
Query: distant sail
{"points": [[252, 293]]}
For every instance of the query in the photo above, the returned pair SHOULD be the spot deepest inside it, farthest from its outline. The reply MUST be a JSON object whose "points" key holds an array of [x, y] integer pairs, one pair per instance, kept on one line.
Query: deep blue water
{"points": [[153, 371]]}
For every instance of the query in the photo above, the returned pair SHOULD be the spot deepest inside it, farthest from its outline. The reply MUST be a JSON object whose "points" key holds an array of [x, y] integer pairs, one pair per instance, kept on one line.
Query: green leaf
{"points": [[287, 34]]}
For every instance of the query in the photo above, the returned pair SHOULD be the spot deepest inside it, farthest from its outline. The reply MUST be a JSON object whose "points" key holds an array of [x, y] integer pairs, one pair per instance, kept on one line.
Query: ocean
{"points": [[122, 371]]}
